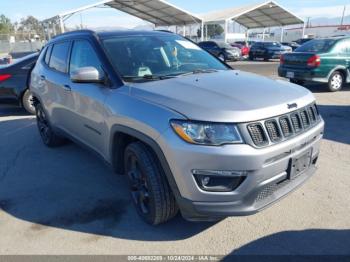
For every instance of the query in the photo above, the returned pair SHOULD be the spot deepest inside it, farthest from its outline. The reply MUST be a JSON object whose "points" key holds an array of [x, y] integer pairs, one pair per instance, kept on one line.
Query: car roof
{"points": [[108, 34]]}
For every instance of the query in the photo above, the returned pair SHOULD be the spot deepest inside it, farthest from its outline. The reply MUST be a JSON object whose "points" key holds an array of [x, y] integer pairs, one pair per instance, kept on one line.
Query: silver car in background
{"points": [[189, 132]]}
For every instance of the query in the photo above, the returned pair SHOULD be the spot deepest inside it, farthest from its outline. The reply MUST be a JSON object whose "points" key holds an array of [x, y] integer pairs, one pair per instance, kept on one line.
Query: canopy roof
{"points": [[268, 14], [158, 12]]}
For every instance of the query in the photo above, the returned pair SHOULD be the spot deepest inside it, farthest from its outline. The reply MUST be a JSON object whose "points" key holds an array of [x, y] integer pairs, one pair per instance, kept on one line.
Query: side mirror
{"points": [[87, 74]]}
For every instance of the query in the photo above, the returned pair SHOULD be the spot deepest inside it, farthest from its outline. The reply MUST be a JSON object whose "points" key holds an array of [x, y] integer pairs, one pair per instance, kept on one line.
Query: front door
{"points": [[89, 98]]}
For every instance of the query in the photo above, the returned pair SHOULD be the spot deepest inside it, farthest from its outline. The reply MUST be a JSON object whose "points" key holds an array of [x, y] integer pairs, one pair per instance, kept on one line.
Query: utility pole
{"points": [[342, 18]]}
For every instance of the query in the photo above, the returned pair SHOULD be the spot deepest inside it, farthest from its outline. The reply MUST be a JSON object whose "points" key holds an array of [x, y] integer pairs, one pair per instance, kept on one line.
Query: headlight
{"points": [[204, 133]]}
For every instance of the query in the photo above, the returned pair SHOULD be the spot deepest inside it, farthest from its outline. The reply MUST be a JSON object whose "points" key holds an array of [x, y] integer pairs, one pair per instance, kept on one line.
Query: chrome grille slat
{"points": [[296, 122], [273, 130], [280, 128], [257, 134]]}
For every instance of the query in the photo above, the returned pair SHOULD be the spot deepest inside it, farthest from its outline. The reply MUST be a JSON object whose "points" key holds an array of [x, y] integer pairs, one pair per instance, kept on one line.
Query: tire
{"points": [[222, 57], [28, 102], [48, 136], [251, 58], [150, 191], [336, 81]]}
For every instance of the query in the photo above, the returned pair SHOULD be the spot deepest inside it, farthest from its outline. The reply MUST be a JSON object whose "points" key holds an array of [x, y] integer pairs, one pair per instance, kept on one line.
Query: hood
{"points": [[225, 96]]}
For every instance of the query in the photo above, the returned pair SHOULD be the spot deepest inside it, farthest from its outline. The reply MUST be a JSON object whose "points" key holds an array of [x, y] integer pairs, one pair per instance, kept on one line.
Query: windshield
{"points": [[145, 58], [317, 46]]}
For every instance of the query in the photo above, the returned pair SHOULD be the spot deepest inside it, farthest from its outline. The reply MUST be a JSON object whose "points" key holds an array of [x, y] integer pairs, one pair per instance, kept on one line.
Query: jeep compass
{"points": [[189, 133]]}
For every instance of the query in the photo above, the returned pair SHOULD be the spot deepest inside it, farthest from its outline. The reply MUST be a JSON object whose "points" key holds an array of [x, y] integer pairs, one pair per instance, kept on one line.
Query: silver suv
{"points": [[190, 133]]}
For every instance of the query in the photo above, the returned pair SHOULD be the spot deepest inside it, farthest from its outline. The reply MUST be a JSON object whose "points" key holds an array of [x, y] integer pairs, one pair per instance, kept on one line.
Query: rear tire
{"points": [[150, 191], [48, 136], [28, 102], [336, 81]]}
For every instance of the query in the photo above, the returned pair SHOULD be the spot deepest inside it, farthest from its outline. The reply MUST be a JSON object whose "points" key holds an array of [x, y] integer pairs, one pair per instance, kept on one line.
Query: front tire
{"points": [[150, 191], [335, 82], [28, 102], [48, 136]]}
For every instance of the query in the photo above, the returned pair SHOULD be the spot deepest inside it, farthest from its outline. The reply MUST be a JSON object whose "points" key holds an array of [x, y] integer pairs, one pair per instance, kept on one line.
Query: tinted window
{"points": [[272, 44], [48, 53], [59, 55], [317, 46], [83, 55]]}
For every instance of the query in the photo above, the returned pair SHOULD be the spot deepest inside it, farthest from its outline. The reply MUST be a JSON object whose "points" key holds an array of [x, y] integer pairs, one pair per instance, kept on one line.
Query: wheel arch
{"points": [[343, 70], [122, 136]]}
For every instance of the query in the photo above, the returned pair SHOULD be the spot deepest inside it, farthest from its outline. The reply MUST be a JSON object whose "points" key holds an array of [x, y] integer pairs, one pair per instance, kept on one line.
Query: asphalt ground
{"points": [[67, 201]]}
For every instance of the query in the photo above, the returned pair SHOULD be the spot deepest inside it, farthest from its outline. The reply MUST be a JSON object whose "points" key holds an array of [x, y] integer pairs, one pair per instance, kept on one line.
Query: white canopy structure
{"points": [[162, 13], [157, 12], [268, 14]]}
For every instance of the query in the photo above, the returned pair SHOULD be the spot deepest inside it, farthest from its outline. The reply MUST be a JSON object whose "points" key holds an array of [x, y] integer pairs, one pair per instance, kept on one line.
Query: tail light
{"points": [[4, 77], [314, 61], [282, 60]]}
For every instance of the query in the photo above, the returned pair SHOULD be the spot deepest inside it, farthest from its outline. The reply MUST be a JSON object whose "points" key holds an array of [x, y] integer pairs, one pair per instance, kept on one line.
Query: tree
{"points": [[213, 30], [6, 26], [30, 26]]}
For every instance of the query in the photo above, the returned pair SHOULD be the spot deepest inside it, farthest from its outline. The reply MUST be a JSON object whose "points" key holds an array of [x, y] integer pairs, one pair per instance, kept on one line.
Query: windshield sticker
{"points": [[188, 45]]}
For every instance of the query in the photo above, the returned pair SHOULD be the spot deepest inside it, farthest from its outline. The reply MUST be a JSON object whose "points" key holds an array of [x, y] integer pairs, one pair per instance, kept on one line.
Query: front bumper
{"points": [[266, 181]]}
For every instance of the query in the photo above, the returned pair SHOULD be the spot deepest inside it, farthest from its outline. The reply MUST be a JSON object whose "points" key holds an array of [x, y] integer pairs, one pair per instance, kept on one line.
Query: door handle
{"points": [[67, 88]]}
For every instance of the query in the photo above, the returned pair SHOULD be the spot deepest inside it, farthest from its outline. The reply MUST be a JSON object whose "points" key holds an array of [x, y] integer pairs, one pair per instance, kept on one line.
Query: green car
{"points": [[320, 60]]}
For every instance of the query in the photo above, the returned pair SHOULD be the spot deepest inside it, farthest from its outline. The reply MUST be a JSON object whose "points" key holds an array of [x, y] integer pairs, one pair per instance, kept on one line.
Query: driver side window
{"points": [[83, 55]]}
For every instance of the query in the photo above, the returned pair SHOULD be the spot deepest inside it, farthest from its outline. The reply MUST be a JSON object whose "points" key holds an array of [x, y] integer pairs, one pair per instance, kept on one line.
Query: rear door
{"points": [[58, 100], [343, 52], [88, 98]]}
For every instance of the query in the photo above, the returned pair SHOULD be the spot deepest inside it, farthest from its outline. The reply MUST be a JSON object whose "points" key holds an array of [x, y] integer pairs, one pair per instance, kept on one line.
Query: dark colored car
{"points": [[221, 50], [267, 50], [244, 48], [14, 82], [320, 60], [293, 45]]}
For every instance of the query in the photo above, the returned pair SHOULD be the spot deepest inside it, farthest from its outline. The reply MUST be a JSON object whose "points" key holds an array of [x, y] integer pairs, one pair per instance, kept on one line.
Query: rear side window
{"points": [[59, 57], [343, 47], [83, 55], [48, 54]]}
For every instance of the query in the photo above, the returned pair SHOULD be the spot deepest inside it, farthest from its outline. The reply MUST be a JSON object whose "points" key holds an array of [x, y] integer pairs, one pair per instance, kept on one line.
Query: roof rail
{"points": [[83, 31]]}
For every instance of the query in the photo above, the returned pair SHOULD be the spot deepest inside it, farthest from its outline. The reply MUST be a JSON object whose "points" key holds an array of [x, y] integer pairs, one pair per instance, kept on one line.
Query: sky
{"points": [[102, 17]]}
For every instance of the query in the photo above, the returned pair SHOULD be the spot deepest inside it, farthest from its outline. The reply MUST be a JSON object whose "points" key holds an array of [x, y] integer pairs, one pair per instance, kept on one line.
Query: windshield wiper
{"points": [[198, 71], [147, 77]]}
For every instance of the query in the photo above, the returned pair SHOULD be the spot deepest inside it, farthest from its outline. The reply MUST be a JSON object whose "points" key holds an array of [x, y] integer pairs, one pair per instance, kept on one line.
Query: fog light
{"points": [[219, 181]]}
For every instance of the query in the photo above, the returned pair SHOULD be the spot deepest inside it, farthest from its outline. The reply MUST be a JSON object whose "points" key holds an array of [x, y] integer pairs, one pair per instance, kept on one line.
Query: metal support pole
{"points": [[282, 33], [226, 30], [206, 32], [303, 33], [61, 24], [184, 30], [202, 32], [264, 35]]}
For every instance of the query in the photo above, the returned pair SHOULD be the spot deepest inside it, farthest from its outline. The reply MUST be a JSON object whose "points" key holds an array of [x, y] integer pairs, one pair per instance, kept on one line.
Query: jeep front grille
{"points": [[275, 130]]}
